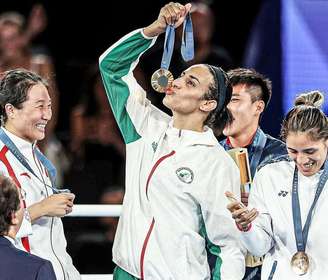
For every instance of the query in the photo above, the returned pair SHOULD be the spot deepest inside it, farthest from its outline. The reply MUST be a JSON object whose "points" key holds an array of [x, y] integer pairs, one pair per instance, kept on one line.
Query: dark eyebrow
{"points": [[194, 78], [305, 150], [190, 76], [42, 101], [310, 150]]}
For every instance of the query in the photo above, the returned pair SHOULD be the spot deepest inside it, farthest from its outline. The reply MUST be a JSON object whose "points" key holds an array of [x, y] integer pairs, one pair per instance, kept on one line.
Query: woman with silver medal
{"points": [[287, 200]]}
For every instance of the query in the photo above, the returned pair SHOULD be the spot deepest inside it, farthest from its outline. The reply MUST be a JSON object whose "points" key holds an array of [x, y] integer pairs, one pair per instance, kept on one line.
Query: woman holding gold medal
{"points": [[288, 199], [176, 173]]}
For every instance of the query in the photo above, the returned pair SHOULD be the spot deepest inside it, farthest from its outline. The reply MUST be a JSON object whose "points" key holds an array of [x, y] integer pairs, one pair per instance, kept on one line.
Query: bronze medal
{"points": [[161, 80], [300, 263]]}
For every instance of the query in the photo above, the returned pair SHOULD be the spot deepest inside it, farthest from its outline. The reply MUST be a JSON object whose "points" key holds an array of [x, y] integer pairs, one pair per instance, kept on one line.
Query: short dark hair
{"points": [[250, 78], [14, 86], [9, 203]]}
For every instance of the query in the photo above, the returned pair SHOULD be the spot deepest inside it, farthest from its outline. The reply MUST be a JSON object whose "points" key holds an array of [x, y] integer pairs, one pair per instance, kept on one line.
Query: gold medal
{"points": [[161, 80], [300, 263]]}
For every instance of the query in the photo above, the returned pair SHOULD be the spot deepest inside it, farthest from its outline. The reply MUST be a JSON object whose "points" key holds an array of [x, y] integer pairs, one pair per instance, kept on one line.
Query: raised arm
{"points": [[127, 98]]}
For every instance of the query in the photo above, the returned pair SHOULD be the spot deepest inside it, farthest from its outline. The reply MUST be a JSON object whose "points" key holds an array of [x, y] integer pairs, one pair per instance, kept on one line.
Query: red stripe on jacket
{"points": [[144, 246], [11, 173]]}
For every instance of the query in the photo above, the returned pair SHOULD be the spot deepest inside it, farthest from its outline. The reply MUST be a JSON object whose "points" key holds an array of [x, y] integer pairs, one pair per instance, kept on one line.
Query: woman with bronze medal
{"points": [[176, 172], [289, 199]]}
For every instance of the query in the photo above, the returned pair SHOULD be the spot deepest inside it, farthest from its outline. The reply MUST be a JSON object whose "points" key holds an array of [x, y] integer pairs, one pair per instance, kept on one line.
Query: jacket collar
{"points": [[253, 142], [189, 137], [25, 147], [6, 241]]}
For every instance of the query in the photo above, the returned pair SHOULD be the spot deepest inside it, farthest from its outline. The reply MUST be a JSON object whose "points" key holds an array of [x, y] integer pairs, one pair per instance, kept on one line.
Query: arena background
{"points": [[286, 40], [78, 32]]}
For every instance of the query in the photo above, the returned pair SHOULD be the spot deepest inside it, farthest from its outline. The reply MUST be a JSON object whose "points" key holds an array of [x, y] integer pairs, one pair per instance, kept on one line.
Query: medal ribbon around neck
{"points": [[300, 260], [301, 236], [46, 163], [260, 141], [163, 78]]}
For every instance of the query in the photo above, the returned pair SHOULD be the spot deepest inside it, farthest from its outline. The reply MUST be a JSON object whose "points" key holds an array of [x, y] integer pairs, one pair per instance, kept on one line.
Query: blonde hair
{"points": [[306, 116]]}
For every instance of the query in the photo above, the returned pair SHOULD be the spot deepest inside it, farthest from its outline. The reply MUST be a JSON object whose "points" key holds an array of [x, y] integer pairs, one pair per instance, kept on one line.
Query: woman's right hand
{"points": [[170, 14], [56, 205], [240, 213]]}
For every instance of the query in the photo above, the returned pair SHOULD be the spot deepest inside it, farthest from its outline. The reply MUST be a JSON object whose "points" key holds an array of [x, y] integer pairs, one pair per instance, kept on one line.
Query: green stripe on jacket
{"points": [[214, 250], [113, 67]]}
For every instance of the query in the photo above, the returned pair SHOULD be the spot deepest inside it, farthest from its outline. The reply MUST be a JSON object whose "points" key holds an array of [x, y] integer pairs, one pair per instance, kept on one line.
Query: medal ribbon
{"points": [[302, 235], [47, 164], [259, 143], [187, 45]]}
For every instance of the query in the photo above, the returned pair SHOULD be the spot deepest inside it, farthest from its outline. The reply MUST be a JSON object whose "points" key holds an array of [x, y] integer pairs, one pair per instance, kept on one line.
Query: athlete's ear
{"points": [[260, 106], [10, 110], [208, 105]]}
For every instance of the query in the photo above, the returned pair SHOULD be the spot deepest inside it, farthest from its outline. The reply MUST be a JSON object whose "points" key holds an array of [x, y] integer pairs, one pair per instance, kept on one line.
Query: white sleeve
{"points": [[259, 239], [220, 228], [26, 226], [128, 100]]}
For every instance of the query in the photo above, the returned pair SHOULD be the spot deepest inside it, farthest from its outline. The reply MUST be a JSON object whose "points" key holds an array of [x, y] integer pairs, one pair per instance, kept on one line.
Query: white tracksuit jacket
{"points": [[47, 239], [175, 184], [272, 232]]}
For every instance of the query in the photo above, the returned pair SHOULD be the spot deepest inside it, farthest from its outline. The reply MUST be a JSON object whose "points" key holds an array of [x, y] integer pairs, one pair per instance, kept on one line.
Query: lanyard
{"points": [[302, 235], [259, 143], [47, 164], [187, 45]]}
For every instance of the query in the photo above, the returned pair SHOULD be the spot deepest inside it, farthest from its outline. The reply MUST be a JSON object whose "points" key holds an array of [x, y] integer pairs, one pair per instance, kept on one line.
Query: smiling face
{"points": [[29, 122], [187, 92], [309, 155], [245, 111]]}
